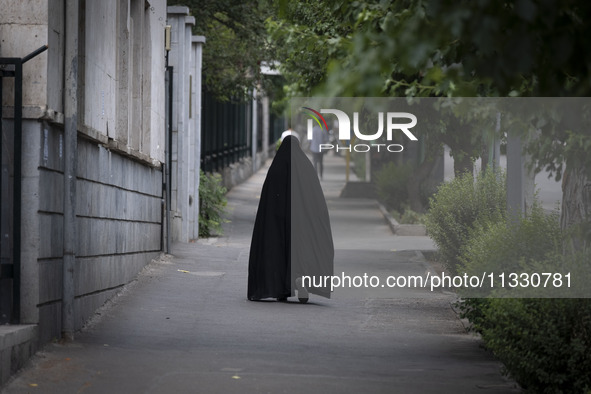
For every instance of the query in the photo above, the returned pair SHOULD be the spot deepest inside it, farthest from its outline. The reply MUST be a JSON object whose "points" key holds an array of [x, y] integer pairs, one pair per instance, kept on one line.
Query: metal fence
{"points": [[226, 132], [278, 125], [10, 195]]}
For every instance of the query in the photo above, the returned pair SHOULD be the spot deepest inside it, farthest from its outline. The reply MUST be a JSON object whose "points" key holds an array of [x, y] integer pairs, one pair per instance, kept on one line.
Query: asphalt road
{"points": [[185, 325]]}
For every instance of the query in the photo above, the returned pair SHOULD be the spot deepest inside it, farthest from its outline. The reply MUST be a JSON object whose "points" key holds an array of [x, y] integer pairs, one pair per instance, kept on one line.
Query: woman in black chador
{"points": [[292, 235]]}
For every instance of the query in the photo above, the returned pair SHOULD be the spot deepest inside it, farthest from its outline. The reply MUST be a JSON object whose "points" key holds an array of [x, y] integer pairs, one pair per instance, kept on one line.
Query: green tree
{"points": [[343, 55], [444, 48], [307, 35], [236, 44]]}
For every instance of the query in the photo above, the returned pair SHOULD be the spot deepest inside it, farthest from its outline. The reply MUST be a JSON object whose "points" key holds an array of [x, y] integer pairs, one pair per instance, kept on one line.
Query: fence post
{"points": [[254, 130]]}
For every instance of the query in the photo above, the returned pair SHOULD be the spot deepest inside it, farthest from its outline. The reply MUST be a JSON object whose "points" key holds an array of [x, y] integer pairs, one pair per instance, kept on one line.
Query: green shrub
{"points": [[391, 184], [408, 216], [545, 344], [505, 246], [459, 207], [502, 246], [358, 164], [212, 203]]}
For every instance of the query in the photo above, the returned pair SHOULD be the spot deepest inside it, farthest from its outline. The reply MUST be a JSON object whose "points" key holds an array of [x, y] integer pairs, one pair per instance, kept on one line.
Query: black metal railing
{"points": [[226, 131], [278, 126], [10, 203]]}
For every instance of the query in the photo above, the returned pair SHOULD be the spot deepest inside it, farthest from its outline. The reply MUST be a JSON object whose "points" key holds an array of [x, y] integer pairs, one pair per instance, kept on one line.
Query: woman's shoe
{"points": [[302, 291]]}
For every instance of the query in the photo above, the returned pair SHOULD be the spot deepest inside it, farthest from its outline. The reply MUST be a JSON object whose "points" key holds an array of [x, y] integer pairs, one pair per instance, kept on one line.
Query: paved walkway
{"points": [[185, 325]]}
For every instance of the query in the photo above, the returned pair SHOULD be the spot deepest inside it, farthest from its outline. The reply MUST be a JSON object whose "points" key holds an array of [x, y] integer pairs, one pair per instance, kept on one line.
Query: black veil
{"points": [[292, 235]]}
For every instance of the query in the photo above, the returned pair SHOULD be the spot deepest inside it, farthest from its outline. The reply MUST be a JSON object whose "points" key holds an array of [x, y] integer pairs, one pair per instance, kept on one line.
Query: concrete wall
{"points": [[122, 77], [238, 172], [185, 58], [119, 152], [23, 28], [119, 220], [17, 345], [119, 225], [194, 163], [100, 68]]}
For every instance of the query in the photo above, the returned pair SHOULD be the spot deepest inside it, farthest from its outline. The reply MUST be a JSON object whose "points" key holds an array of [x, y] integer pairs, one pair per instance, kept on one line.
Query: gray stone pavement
{"points": [[185, 326]]}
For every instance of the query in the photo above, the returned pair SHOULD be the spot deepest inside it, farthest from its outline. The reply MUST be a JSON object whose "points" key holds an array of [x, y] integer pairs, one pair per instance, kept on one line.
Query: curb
{"points": [[401, 229]]}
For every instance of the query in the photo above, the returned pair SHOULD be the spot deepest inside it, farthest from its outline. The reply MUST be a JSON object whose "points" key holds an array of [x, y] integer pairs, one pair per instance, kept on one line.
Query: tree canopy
{"points": [[237, 44], [445, 48], [441, 48], [415, 48]]}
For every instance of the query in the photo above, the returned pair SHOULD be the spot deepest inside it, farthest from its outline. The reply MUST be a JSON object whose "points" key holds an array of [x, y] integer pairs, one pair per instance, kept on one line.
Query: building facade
{"points": [[101, 157], [104, 71]]}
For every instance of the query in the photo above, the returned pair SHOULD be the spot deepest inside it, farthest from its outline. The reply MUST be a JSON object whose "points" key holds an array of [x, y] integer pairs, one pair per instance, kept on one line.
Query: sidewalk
{"points": [[185, 326]]}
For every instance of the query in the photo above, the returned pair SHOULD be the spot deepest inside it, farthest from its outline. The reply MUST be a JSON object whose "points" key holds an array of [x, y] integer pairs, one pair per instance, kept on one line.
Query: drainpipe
{"points": [[255, 118], [70, 155], [169, 72]]}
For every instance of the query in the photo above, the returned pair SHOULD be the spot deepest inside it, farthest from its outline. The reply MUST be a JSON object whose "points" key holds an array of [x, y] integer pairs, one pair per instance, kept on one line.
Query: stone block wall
{"points": [[119, 226]]}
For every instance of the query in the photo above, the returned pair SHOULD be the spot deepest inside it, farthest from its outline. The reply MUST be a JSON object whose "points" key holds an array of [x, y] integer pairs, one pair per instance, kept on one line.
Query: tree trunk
{"points": [[462, 147], [414, 184], [576, 205], [463, 164]]}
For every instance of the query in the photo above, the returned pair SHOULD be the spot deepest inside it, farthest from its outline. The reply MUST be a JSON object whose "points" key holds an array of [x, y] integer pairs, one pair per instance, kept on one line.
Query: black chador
{"points": [[292, 236]]}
